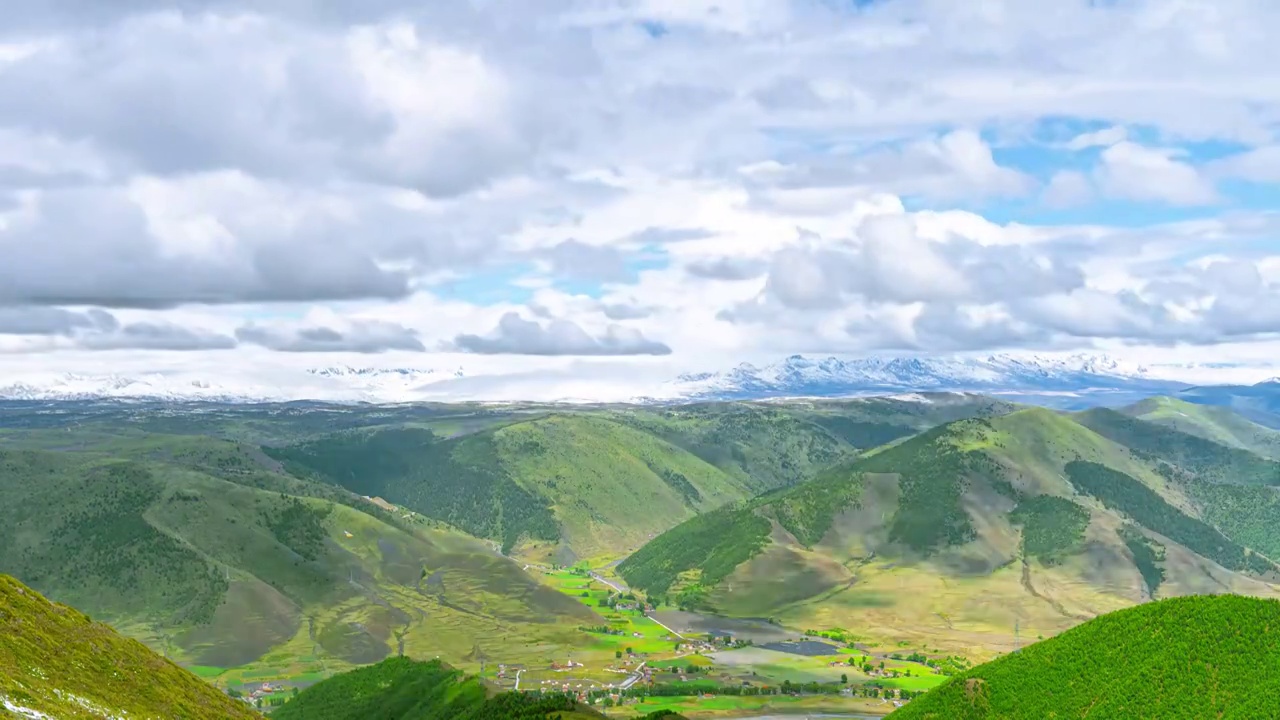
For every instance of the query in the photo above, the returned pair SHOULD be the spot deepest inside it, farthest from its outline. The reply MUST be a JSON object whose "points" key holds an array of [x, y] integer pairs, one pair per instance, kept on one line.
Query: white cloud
{"points": [[516, 336], [1067, 188], [718, 180], [1106, 137], [1261, 164], [1132, 172]]}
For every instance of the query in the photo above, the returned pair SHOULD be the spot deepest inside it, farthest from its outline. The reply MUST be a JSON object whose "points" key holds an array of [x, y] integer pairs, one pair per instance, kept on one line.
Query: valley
{"points": [[716, 560]]}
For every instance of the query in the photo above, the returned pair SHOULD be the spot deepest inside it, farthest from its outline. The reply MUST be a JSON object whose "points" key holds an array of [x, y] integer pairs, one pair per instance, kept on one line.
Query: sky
{"points": [[614, 189]]}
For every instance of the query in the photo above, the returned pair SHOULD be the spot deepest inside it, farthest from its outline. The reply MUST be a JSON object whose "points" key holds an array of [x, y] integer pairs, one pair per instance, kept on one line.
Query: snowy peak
{"points": [[794, 376], [346, 371], [798, 375]]}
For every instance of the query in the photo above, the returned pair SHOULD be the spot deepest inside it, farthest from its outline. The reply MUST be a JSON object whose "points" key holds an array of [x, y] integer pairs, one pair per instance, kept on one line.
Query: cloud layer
{"points": [[639, 179]]}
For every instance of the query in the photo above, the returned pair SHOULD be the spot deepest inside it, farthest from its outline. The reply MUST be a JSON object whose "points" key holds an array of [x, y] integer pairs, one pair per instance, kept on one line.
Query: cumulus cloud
{"points": [[888, 260], [957, 165], [625, 311], [53, 321], [156, 336], [1261, 165], [222, 152], [727, 268], [517, 336], [96, 329], [1067, 188], [580, 261], [1105, 137], [1133, 172], [360, 336]]}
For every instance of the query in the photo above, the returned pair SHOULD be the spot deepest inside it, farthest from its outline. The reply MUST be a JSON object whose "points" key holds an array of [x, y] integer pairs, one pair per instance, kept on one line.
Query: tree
{"points": [[630, 651], [844, 679], [617, 654]]}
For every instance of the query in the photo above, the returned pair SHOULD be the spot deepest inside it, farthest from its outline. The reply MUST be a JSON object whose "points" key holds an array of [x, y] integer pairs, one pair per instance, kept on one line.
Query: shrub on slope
{"points": [[1189, 657], [714, 543], [717, 542], [1121, 492], [403, 689], [56, 661]]}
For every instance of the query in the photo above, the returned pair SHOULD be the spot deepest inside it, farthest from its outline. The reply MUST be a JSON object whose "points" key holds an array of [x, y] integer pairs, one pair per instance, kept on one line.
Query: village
{"points": [[635, 659]]}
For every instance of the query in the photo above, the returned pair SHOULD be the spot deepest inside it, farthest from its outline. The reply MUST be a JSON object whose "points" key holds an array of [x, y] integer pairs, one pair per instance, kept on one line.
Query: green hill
{"points": [[1191, 657], [404, 689], [576, 480], [1045, 520], [564, 486], [203, 550], [56, 662], [1218, 424], [1207, 459]]}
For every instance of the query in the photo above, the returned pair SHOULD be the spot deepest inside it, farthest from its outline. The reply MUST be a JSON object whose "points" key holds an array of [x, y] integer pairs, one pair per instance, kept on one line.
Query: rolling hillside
{"points": [[1259, 403], [575, 481], [562, 486], [1218, 424], [57, 663], [1201, 657], [237, 567], [963, 531]]}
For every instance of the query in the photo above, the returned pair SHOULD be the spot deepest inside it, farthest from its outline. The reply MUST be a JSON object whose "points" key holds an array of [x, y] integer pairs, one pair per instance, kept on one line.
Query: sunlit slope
{"points": [[770, 445], [216, 573], [959, 534], [585, 484], [1218, 424], [57, 663], [1189, 657]]}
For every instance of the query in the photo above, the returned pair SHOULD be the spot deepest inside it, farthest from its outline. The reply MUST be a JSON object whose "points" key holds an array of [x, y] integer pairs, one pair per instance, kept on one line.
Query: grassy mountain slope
{"points": [[963, 531], [404, 689], [777, 444], [1218, 424], [220, 574], [56, 661], [1179, 658], [577, 479], [1208, 460], [1259, 403]]}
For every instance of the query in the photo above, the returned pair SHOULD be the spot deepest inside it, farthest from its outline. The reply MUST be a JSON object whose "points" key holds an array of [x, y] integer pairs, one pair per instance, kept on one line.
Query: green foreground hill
{"points": [[404, 689], [55, 661], [1190, 657]]}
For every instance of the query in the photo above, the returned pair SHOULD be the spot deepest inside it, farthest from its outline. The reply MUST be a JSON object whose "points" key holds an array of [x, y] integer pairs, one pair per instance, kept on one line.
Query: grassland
{"points": [[54, 660], [569, 481], [1217, 424], [1210, 656], [205, 551], [956, 536]]}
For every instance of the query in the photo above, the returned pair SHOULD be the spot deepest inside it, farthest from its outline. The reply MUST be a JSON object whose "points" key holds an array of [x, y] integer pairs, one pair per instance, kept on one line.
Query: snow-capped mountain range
{"points": [[795, 376], [802, 376]]}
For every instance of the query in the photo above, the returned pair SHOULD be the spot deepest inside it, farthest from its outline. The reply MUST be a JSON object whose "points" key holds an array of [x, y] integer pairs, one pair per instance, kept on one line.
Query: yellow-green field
{"points": [[656, 648]]}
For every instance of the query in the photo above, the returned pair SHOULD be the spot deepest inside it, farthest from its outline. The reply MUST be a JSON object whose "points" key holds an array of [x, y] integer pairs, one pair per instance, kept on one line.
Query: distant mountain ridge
{"points": [[1048, 379], [802, 376]]}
